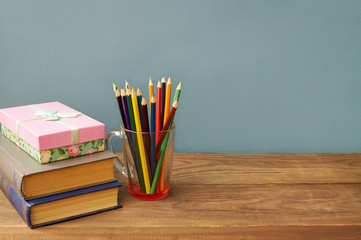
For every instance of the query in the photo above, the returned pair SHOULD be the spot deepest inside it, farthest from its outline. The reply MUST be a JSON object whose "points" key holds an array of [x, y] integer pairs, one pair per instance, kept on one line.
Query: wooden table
{"points": [[225, 196]]}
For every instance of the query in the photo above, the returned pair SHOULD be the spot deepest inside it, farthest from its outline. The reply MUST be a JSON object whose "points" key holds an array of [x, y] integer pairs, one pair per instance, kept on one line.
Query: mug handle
{"points": [[119, 164]]}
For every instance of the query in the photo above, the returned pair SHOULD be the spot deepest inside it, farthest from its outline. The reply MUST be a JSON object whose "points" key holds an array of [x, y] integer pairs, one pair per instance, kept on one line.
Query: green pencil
{"points": [[159, 165], [135, 143], [177, 93]]}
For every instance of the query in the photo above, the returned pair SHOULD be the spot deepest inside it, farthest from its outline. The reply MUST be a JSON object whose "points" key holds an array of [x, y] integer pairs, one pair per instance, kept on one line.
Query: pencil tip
{"points": [[150, 81], [175, 104], [153, 100], [114, 87], [139, 92], [144, 102], [122, 92]]}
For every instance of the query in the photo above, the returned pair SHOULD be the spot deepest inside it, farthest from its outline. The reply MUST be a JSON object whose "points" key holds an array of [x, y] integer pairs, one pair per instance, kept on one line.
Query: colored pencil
{"points": [[145, 114], [166, 126], [140, 141], [163, 88], [146, 136], [159, 165], [119, 100], [158, 113], [177, 91], [151, 91], [167, 99], [139, 98], [123, 95], [136, 155], [127, 121], [152, 135], [130, 109]]}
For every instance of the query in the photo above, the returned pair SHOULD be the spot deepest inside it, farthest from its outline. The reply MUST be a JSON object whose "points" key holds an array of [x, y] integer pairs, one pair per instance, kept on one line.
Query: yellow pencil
{"points": [[138, 127], [151, 91], [167, 99]]}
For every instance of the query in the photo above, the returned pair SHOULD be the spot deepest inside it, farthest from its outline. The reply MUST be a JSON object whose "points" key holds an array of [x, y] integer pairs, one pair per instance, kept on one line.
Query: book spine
{"points": [[9, 170], [21, 206]]}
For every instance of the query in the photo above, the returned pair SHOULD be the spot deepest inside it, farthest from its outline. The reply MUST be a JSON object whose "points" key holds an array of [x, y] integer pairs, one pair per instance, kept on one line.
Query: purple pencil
{"points": [[125, 106]]}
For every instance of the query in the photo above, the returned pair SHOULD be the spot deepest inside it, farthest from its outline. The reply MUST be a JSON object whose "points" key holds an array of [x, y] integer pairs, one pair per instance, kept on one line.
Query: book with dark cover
{"points": [[33, 180], [63, 206]]}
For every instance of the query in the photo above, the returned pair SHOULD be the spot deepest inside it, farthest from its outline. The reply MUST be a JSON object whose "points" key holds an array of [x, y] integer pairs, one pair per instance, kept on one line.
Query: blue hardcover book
{"points": [[63, 206]]}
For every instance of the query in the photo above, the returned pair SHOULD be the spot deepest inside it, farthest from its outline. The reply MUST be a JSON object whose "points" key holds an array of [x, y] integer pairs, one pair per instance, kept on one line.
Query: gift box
{"points": [[52, 131]]}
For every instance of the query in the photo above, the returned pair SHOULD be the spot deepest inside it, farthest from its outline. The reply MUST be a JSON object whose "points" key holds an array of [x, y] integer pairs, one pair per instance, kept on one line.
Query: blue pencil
{"points": [[152, 135]]}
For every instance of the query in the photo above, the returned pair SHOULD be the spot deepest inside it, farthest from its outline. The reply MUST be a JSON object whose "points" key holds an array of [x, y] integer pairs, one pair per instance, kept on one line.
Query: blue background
{"points": [[257, 76]]}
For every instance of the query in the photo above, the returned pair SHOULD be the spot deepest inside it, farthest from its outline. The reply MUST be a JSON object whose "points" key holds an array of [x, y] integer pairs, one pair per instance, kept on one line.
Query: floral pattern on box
{"points": [[55, 154]]}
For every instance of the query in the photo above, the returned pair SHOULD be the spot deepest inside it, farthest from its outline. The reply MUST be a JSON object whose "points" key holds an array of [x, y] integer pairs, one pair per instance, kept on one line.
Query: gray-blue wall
{"points": [[257, 76]]}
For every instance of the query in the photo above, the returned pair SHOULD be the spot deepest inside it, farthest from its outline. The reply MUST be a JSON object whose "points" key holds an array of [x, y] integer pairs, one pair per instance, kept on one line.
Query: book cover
{"points": [[23, 172], [77, 197]]}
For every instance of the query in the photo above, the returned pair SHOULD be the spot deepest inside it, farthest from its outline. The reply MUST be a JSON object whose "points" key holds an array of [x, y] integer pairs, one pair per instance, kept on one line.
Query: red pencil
{"points": [[166, 126]]}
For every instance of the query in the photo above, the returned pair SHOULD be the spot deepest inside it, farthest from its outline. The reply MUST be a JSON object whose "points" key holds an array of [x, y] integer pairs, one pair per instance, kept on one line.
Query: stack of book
{"points": [[45, 190]]}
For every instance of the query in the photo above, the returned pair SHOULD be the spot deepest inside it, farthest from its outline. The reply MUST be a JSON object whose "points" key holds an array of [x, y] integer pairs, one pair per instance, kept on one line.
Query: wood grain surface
{"points": [[227, 196]]}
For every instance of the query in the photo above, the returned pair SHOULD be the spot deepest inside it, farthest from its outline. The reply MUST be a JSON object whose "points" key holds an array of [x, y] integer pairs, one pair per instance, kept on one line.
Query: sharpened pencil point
{"points": [[139, 93], [127, 84], [175, 104], [133, 93], [114, 87], [144, 102], [122, 92]]}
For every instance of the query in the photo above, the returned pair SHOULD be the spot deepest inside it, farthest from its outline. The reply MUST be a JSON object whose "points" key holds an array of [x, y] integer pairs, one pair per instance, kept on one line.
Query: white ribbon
{"points": [[52, 115]]}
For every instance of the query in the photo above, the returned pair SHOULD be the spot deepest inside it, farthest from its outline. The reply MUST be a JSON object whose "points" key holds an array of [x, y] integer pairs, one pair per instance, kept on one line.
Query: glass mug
{"points": [[147, 166]]}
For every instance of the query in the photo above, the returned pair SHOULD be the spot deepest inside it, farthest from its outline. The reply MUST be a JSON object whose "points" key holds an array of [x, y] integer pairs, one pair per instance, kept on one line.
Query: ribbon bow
{"points": [[52, 115]]}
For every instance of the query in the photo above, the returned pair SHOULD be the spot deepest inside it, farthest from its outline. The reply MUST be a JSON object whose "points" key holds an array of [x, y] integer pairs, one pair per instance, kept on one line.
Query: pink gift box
{"points": [[43, 134]]}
